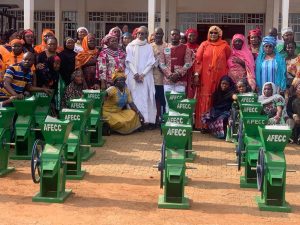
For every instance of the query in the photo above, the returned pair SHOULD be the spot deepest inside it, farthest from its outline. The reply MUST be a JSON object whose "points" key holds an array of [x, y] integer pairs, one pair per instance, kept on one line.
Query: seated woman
{"points": [[273, 104], [75, 88], [120, 118], [293, 111], [217, 118]]}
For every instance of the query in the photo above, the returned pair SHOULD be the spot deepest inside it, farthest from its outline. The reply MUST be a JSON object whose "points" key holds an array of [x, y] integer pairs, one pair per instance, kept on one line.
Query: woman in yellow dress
{"points": [[121, 119]]}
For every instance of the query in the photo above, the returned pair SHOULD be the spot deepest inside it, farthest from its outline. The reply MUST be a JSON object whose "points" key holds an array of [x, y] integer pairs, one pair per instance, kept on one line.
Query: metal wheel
{"points": [[240, 145], [37, 150], [161, 164], [260, 169]]}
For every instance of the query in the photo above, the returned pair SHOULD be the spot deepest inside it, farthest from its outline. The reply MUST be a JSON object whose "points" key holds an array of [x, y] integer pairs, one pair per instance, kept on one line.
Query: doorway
{"points": [[228, 31]]}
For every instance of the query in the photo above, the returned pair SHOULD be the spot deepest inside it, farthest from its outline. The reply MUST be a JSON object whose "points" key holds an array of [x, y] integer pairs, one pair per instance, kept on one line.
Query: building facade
{"points": [[233, 16]]}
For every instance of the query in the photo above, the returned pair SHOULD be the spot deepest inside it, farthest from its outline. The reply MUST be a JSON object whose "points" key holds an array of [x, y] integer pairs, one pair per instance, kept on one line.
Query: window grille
{"points": [[69, 19]]}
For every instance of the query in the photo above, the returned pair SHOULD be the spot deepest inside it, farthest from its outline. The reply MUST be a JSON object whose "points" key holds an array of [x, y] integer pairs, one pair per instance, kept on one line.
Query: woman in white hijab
{"points": [[81, 33], [139, 69]]}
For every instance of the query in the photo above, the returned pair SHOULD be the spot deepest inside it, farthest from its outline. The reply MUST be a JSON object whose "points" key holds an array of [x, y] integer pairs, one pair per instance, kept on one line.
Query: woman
{"points": [[86, 60], [67, 57], [16, 55], [254, 40], [270, 66], [121, 119], [81, 33], [210, 65], [192, 37], [75, 88], [241, 63], [292, 64], [293, 111], [110, 58], [139, 68], [28, 38], [116, 31], [47, 33], [126, 39], [273, 104], [217, 118]]}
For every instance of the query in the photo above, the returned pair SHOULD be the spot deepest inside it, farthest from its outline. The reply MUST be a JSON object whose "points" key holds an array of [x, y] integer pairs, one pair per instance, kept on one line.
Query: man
{"points": [[18, 79], [139, 69], [158, 46], [175, 62], [274, 33], [287, 36]]}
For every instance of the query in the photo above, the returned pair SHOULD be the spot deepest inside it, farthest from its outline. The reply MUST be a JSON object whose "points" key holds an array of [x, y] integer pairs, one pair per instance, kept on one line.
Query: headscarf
{"points": [[245, 55], [285, 30], [16, 41], [254, 32], [41, 47], [222, 99], [280, 79], [118, 74], [82, 28], [191, 45], [111, 33], [83, 57], [134, 33], [106, 39], [127, 34], [220, 43], [269, 40], [264, 99]]}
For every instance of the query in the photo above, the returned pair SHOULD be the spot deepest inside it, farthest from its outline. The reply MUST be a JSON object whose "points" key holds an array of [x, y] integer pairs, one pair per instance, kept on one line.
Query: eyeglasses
{"points": [[213, 32]]}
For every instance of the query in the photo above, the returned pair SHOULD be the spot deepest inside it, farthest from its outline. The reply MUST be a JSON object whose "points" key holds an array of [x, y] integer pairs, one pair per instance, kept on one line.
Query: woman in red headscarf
{"points": [[28, 38], [210, 65], [241, 63], [254, 41], [192, 37], [86, 60]]}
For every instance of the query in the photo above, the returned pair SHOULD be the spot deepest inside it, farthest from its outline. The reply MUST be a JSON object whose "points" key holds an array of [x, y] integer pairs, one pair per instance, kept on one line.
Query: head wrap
{"points": [[106, 39], [285, 30], [254, 32], [111, 32], [245, 55], [269, 40], [191, 45], [215, 28], [134, 33], [118, 74], [84, 56], [16, 41], [76, 73], [191, 30], [127, 34], [82, 28], [28, 31]]}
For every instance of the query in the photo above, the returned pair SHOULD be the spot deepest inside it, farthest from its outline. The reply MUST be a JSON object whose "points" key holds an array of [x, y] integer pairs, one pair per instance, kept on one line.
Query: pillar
{"points": [[285, 13], [58, 19], [172, 14], [151, 15], [29, 14], [82, 18], [163, 15]]}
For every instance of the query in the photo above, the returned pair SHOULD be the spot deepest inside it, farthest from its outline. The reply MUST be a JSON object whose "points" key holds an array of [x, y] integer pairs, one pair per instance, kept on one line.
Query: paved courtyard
{"points": [[122, 187]]}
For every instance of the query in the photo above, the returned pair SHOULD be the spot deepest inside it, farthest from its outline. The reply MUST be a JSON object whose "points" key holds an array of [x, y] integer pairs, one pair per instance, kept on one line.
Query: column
{"points": [[285, 13], [172, 14], [82, 18], [269, 16], [29, 14], [163, 15], [151, 15], [58, 19], [276, 13]]}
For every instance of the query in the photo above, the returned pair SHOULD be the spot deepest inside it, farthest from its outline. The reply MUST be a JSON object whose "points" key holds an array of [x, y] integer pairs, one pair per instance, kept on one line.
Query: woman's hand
{"points": [[276, 119], [196, 79], [40, 66]]}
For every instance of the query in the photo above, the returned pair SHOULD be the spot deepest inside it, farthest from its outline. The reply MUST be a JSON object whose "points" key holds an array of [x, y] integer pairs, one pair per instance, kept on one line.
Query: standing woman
{"points": [[241, 63], [139, 68], [67, 57], [192, 37], [292, 65], [47, 33], [81, 33], [110, 58], [28, 38], [270, 66], [210, 65], [254, 40], [86, 60]]}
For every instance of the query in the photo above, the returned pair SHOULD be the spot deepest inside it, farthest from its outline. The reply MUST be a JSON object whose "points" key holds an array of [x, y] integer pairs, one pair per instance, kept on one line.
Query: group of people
{"points": [[136, 69]]}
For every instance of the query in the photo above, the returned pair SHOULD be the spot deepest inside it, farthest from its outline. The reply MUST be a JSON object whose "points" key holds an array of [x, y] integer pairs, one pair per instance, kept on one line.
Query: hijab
{"points": [[192, 45], [223, 99], [83, 57]]}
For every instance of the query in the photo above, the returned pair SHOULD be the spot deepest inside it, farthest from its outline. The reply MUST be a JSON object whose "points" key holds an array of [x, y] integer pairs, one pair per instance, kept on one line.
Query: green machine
{"points": [[271, 169], [6, 121], [80, 134], [42, 110], [95, 119], [172, 166], [25, 129], [250, 119], [48, 164]]}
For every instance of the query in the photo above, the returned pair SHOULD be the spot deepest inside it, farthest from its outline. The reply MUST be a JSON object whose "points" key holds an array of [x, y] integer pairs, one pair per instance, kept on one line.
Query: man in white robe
{"points": [[139, 70]]}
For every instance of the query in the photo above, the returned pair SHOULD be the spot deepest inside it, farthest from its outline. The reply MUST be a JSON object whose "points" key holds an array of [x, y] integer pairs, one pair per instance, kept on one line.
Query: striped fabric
{"points": [[19, 79]]}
